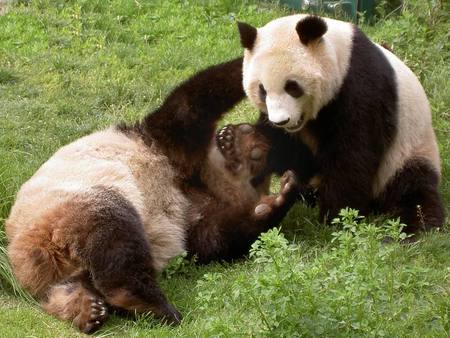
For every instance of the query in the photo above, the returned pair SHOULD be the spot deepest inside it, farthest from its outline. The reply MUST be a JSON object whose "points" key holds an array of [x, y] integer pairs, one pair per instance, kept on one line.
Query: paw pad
{"points": [[256, 154], [245, 128], [262, 209]]}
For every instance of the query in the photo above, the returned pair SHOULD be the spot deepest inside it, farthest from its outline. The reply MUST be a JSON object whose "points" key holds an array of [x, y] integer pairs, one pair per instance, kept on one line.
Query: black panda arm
{"points": [[348, 165], [287, 152], [185, 123], [342, 185]]}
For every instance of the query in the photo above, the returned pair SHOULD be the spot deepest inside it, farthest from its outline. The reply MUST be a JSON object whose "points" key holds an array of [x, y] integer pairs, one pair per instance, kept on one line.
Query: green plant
{"points": [[362, 285]]}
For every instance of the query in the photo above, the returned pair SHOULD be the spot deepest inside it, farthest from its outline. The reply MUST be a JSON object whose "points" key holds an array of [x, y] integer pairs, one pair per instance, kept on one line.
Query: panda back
{"points": [[415, 136]]}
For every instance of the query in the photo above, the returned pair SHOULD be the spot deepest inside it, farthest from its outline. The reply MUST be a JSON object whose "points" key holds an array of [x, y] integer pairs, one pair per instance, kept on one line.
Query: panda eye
{"points": [[293, 89], [262, 93]]}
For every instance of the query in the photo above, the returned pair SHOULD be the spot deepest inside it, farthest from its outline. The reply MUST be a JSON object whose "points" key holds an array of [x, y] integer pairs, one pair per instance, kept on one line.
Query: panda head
{"points": [[290, 68]]}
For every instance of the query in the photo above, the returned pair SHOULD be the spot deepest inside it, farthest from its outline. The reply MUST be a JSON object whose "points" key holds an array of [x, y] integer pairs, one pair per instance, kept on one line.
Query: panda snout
{"points": [[282, 123]]}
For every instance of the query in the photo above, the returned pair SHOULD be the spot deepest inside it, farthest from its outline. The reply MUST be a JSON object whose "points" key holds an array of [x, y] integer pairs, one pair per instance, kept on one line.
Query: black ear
{"points": [[248, 34], [311, 28]]}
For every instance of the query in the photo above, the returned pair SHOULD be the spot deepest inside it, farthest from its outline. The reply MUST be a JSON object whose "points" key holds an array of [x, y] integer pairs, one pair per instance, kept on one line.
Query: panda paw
{"points": [[241, 147], [276, 206], [93, 313], [226, 142]]}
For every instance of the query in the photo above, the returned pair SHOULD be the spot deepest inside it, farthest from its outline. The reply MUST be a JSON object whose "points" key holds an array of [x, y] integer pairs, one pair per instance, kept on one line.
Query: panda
{"points": [[104, 214], [345, 111]]}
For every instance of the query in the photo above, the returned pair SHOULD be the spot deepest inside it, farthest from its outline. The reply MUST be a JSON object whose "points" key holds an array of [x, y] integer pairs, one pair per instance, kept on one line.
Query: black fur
{"points": [[413, 196], [262, 93], [355, 129], [185, 124], [287, 152], [183, 128], [293, 88], [248, 34], [311, 28], [353, 132], [225, 231], [118, 253]]}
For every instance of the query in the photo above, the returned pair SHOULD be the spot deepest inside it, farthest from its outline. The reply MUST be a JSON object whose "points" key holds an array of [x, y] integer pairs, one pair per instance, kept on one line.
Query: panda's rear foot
{"points": [[76, 300], [93, 313], [273, 208], [242, 147]]}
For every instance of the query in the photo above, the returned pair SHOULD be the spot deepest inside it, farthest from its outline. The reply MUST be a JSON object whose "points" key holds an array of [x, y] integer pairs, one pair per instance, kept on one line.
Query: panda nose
{"points": [[282, 123]]}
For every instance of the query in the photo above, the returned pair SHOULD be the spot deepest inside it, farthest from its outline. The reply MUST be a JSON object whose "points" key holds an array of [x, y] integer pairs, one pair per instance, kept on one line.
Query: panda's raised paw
{"points": [[225, 140], [242, 148], [277, 205]]}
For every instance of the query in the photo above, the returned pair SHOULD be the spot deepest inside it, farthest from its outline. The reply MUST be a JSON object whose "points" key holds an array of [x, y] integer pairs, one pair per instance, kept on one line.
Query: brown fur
{"points": [[100, 218], [74, 300]]}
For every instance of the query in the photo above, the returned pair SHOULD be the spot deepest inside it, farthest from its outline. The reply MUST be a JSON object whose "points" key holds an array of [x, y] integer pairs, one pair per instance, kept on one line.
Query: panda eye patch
{"points": [[262, 93], [293, 88]]}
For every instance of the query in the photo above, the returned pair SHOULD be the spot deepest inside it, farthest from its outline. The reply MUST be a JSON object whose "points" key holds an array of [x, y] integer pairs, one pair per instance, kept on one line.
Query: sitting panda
{"points": [[96, 222], [343, 110]]}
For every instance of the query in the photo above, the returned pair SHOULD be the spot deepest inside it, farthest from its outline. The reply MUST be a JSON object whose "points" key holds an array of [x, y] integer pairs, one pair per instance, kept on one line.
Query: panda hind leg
{"points": [[120, 260], [414, 197], [46, 272], [76, 300]]}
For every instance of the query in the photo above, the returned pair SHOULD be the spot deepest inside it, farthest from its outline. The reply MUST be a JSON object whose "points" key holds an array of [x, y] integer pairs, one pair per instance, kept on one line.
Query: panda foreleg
{"points": [[339, 189], [271, 209], [287, 152], [413, 196], [224, 233], [185, 123]]}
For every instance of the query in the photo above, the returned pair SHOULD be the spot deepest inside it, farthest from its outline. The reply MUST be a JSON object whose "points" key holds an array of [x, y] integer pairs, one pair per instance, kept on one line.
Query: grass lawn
{"points": [[69, 68]]}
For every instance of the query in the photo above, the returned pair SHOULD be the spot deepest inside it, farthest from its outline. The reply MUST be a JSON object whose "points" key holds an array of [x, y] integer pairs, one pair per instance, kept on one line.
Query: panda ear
{"points": [[248, 34], [311, 28]]}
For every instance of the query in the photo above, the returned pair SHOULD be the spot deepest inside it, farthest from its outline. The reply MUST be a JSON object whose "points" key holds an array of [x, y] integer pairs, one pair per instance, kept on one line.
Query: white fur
{"points": [[278, 56], [279, 107], [109, 158], [415, 136], [320, 68]]}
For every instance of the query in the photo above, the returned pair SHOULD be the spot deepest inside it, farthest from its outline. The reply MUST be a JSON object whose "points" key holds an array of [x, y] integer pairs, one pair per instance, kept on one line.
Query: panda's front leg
{"points": [[341, 189]]}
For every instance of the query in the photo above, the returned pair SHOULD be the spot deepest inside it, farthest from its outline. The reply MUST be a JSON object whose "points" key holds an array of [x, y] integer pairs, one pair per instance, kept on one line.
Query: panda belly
{"points": [[415, 138], [165, 205]]}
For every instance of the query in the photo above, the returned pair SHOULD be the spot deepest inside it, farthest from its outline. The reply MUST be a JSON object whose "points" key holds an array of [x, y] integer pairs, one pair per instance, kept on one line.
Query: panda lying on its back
{"points": [[106, 212], [348, 110]]}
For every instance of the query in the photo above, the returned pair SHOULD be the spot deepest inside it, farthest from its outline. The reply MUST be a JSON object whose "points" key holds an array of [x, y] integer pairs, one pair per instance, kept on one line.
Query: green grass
{"points": [[67, 70]]}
